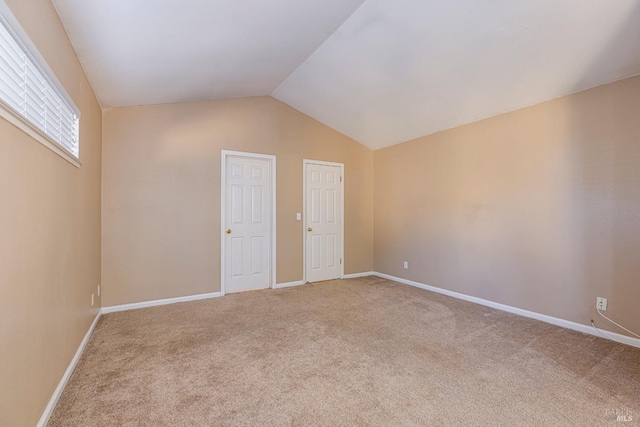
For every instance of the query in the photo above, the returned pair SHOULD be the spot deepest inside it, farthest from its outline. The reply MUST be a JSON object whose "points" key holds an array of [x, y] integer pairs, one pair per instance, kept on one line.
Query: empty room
{"points": [[319, 213]]}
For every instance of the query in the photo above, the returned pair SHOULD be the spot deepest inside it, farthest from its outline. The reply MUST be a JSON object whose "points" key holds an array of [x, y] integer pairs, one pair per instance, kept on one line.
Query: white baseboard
{"points": [[136, 305], [587, 329], [44, 419], [289, 284], [356, 275], [346, 276]]}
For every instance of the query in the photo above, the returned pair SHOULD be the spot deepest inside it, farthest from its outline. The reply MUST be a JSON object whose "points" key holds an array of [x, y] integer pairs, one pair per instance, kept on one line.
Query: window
{"points": [[30, 91]]}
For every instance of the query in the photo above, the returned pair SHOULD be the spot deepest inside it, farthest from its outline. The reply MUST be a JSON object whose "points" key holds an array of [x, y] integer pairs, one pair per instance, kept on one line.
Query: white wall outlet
{"points": [[406, 265], [299, 216], [98, 290], [601, 304], [92, 300]]}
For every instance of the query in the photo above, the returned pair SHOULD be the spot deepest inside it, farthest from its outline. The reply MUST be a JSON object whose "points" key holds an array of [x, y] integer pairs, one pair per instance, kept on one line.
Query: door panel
{"points": [[237, 202], [331, 207], [315, 206], [256, 256], [331, 250], [248, 220], [323, 212], [316, 246], [236, 256]]}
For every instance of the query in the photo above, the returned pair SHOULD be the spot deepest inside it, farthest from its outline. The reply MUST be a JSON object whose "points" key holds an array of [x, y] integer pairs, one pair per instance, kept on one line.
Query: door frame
{"points": [[224, 154], [305, 163]]}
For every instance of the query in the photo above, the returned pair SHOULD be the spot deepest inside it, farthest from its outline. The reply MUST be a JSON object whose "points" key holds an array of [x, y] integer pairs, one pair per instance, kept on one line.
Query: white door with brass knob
{"points": [[323, 220], [248, 227]]}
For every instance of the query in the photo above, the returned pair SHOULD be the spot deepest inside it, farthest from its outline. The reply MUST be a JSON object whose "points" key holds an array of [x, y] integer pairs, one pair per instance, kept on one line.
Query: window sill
{"points": [[10, 116]]}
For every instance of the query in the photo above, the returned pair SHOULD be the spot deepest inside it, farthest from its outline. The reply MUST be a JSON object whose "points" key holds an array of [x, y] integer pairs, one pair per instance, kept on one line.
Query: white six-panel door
{"points": [[323, 214], [247, 229]]}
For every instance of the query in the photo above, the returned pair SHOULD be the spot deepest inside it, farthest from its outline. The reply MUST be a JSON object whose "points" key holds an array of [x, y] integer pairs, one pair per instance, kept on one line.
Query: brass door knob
{"points": [[228, 231], [309, 229]]}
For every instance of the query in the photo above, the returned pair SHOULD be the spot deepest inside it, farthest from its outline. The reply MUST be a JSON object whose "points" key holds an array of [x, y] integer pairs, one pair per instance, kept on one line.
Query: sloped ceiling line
{"points": [[379, 71]]}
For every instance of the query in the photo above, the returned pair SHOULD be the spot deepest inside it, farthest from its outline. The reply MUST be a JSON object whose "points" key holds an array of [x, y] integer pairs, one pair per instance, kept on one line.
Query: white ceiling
{"points": [[391, 71], [138, 52]]}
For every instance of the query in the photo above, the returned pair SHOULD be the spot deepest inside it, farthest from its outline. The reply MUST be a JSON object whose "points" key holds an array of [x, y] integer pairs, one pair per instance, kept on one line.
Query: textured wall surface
{"points": [[49, 236], [538, 208], [161, 192]]}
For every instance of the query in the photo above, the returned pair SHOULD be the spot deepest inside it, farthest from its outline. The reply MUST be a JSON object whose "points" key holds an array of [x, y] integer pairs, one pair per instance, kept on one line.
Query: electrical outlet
{"points": [[98, 290], [92, 300], [601, 304], [406, 265]]}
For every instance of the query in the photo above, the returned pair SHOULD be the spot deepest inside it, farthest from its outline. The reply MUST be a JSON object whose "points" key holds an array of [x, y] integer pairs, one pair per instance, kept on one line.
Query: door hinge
{"points": [[340, 260], [340, 179]]}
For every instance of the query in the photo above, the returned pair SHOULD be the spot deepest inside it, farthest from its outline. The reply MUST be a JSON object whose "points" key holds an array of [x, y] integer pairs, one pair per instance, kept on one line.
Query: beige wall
{"points": [[538, 208], [49, 237], [161, 192]]}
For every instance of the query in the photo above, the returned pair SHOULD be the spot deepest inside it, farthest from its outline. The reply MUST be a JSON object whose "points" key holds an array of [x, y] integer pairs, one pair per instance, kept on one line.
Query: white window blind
{"points": [[27, 90]]}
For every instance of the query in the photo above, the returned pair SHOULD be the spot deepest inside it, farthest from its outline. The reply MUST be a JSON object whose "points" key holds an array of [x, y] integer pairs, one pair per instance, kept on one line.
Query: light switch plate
{"points": [[299, 216]]}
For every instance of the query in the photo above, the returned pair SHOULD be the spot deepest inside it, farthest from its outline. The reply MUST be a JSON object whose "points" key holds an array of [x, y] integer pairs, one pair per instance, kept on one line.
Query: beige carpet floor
{"points": [[364, 351]]}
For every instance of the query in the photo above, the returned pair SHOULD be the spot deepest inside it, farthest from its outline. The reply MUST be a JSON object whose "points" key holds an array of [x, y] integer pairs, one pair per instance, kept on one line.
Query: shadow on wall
{"points": [[603, 189]]}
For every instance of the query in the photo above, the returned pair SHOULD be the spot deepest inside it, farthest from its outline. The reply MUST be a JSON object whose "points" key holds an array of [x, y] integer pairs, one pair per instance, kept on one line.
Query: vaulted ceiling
{"points": [[379, 71]]}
